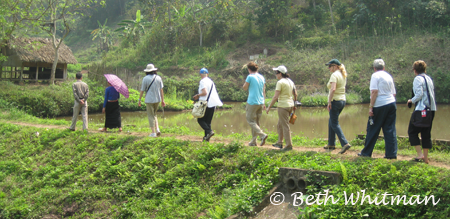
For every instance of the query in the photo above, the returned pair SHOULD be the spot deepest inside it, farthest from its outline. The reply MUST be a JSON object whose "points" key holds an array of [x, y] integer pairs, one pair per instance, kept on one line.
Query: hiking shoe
{"points": [[345, 148], [251, 144], [360, 155], [278, 145], [286, 148], [153, 135], [208, 136], [329, 147], [263, 140]]}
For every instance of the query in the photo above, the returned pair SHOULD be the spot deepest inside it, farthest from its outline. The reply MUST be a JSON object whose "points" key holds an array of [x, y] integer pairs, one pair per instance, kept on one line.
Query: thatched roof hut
{"points": [[34, 57]]}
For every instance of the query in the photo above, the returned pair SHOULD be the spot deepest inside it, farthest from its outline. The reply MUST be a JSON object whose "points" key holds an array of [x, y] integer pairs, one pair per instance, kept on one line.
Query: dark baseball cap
{"points": [[334, 61]]}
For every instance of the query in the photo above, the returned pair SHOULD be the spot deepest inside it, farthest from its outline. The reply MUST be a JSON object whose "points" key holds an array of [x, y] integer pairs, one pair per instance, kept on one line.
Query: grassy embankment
{"points": [[63, 173], [57, 100]]}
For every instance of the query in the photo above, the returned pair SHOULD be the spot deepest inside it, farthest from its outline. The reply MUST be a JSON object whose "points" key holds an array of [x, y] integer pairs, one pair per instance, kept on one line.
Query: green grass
{"points": [[82, 175]]}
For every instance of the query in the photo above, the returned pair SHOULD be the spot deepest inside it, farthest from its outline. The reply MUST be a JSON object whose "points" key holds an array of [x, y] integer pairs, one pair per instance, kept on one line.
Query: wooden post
{"points": [[65, 72], [37, 71], [21, 73]]}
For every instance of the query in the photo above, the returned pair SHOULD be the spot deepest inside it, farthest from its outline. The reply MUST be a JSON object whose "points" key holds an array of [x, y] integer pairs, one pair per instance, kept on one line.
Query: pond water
{"points": [[312, 122]]}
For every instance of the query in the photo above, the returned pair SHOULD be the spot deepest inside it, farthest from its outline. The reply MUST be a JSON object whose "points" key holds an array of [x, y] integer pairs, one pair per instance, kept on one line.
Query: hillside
{"points": [[180, 37]]}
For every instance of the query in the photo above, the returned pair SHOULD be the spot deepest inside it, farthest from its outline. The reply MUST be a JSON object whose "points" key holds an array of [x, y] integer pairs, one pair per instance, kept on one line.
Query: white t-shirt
{"points": [[384, 83], [214, 99]]}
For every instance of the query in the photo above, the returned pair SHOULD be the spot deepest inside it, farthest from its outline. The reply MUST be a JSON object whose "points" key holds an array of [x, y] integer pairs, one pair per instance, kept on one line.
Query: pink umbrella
{"points": [[117, 84]]}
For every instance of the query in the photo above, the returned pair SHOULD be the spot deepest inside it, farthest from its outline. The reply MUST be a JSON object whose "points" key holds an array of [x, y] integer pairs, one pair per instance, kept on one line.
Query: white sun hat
{"points": [[150, 67]]}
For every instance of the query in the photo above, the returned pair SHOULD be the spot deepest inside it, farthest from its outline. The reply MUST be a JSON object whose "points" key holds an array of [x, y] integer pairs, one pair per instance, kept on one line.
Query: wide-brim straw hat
{"points": [[150, 67]]}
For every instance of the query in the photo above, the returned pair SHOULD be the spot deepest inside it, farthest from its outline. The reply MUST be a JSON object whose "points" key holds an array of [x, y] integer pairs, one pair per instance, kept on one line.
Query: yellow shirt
{"points": [[340, 81], [286, 98]]}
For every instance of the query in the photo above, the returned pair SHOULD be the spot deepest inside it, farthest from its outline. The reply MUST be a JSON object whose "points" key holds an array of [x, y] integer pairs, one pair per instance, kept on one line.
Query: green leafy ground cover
{"points": [[65, 173]]}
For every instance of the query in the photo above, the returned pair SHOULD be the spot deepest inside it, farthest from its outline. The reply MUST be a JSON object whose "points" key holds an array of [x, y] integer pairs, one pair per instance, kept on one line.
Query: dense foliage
{"points": [[57, 100], [58, 173]]}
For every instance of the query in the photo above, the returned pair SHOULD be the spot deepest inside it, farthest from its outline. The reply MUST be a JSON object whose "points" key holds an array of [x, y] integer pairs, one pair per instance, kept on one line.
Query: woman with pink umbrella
{"points": [[111, 107]]}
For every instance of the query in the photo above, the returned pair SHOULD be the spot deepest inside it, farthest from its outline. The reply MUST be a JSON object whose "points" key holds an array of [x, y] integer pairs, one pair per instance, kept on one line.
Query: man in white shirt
{"points": [[382, 112], [207, 91]]}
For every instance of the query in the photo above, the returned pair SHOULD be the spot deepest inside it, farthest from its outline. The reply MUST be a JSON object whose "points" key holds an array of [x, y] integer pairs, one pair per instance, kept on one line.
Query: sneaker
{"points": [[329, 147], [71, 129], [278, 145], [251, 144], [345, 148], [263, 140], [360, 155], [208, 136], [153, 135], [286, 148]]}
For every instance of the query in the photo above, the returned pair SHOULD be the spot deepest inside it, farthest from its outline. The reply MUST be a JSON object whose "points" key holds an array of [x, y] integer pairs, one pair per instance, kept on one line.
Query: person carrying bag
{"points": [[425, 107], [200, 106], [422, 118], [208, 101]]}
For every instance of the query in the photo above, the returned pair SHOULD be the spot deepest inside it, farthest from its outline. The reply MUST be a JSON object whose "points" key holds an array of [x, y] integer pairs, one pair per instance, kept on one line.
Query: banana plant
{"points": [[132, 29], [103, 33]]}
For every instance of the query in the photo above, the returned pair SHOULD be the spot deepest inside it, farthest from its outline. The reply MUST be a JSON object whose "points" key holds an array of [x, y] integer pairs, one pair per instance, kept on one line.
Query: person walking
{"points": [[382, 112], [152, 85], [207, 89], [256, 86], [423, 89], [111, 109], [285, 93], [336, 103], [81, 94]]}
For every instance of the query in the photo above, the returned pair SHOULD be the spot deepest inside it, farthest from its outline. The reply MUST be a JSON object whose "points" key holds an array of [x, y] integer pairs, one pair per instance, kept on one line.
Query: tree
{"points": [[133, 28], [18, 14], [61, 14], [272, 15], [104, 35]]}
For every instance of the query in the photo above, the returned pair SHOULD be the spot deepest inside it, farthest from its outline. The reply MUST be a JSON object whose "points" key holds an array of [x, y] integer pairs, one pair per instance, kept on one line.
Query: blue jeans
{"points": [[333, 124], [383, 117]]}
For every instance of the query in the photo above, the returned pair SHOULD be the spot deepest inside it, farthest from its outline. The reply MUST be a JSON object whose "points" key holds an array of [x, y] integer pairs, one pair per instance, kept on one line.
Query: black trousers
{"points": [[425, 133], [205, 122], [112, 115]]}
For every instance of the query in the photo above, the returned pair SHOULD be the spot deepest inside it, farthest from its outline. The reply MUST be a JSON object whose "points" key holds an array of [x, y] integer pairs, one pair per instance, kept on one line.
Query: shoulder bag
{"points": [[422, 118], [200, 106], [293, 117]]}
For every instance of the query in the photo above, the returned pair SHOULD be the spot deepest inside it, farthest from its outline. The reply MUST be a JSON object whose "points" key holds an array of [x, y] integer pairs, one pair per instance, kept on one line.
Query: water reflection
{"points": [[311, 122]]}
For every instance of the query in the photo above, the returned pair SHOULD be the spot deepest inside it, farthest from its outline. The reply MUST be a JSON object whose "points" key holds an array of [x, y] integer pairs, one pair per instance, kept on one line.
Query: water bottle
{"points": [[370, 120]]}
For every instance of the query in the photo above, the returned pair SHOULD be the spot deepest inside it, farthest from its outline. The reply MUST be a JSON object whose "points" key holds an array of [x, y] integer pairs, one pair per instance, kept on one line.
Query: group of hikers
{"points": [[381, 112]]}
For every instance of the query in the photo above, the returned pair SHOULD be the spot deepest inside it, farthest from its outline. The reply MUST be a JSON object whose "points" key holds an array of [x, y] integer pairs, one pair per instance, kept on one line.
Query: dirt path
{"points": [[350, 154]]}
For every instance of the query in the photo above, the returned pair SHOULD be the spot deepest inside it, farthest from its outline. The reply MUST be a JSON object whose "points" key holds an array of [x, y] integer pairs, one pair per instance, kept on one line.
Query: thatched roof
{"points": [[40, 50]]}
